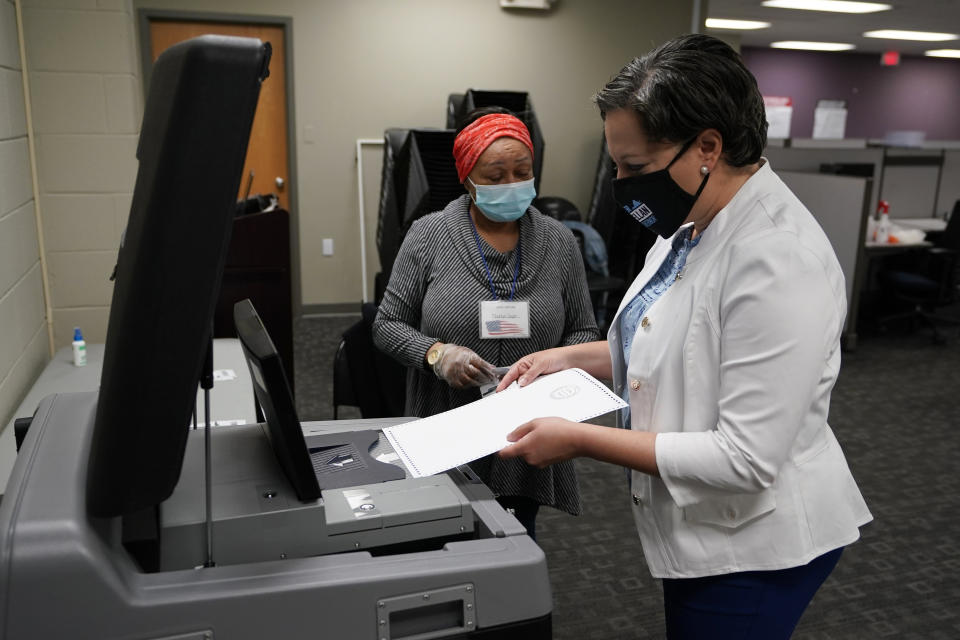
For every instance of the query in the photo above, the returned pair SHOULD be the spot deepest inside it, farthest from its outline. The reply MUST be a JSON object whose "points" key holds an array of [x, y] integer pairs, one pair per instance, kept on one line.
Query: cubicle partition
{"points": [[911, 181], [841, 204], [917, 182], [810, 159]]}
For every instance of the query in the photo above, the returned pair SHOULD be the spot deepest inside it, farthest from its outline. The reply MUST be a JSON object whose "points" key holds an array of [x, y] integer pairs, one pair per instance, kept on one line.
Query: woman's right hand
{"points": [[461, 367], [529, 368]]}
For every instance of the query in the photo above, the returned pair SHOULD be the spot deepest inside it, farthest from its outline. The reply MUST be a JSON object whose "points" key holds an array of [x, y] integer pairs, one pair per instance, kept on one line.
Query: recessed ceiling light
{"points": [[943, 53], [839, 6], [723, 23], [922, 36], [813, 46]]}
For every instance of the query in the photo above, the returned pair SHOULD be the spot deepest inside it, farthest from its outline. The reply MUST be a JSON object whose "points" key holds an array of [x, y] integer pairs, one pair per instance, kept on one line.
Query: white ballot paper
{"points": [[458, 436]]}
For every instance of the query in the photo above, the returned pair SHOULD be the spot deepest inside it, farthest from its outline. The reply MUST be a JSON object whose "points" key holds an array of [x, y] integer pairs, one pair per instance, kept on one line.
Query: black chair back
{"points": [[950, 239], [364, 376]]}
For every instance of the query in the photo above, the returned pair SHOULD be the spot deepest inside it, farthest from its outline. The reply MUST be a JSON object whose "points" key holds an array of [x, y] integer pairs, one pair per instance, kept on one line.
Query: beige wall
{"points": [[364, 65], [23, 337], [360, 66], [86, 116]]}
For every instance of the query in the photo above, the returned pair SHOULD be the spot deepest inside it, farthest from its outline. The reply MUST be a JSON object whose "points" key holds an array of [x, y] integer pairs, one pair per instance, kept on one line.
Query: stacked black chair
{"points": [[419, 177]]}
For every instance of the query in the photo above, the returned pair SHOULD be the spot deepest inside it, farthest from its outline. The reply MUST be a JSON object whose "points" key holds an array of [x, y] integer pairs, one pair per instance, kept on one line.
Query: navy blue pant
{"points": [[751, 605]]}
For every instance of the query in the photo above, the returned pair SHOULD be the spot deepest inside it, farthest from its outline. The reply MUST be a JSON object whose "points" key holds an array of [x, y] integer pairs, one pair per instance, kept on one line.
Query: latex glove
{"points": [[461, 368]]}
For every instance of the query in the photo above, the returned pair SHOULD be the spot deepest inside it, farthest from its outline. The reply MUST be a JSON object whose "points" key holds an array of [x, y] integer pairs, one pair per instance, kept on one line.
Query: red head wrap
{"points": [[479, 134]]}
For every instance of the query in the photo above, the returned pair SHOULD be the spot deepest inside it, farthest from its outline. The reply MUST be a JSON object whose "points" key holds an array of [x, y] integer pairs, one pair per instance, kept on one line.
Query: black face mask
{"points": [[655, 200]]}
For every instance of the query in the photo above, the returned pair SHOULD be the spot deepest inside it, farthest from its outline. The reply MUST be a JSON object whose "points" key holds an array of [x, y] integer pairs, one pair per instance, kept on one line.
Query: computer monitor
{"points": [[330, 461], [196, 124]]}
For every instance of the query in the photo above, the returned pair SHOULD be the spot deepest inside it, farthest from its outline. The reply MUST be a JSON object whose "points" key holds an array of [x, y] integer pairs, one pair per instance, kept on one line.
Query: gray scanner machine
{"points": [[412, 559]]}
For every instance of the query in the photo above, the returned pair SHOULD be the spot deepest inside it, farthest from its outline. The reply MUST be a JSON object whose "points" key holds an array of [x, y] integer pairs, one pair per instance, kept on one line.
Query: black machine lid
{"points": [[193, 141]]}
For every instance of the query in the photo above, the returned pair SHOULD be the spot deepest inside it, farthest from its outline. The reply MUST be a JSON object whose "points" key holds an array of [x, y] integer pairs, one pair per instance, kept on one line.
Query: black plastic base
{"points": [[535, 629]]}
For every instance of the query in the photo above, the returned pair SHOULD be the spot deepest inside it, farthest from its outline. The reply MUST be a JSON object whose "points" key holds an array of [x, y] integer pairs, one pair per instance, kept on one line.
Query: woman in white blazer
{"points": [[726, 347]]}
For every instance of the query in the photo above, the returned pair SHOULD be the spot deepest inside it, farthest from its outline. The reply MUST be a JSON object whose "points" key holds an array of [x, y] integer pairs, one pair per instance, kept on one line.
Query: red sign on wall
{"points": [[777, 101]]}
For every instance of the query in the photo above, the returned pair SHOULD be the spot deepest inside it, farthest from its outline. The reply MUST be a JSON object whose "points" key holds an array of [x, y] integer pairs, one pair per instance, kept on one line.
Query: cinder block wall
{"points": [[86, 116], [23, 343]]}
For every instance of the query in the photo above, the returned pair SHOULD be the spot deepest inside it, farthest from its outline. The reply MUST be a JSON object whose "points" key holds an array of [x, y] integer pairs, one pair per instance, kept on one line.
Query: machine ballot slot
{"points": [[335, 459]]}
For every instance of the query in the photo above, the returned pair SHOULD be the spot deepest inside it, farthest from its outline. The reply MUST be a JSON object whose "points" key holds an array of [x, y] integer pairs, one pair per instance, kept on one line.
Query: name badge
{"points": [[504, 319]]}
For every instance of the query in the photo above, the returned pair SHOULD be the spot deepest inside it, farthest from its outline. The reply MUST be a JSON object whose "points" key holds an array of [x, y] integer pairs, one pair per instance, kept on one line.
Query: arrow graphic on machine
{"points": [[340, 460]]}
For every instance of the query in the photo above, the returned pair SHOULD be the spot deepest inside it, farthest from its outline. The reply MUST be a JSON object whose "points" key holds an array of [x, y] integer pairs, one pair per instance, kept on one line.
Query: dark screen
{"points": [[273, 393]]}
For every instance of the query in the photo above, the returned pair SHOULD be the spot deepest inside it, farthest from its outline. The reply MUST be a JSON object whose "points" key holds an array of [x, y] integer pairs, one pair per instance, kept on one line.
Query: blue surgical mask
{"points": [[504, 202]]}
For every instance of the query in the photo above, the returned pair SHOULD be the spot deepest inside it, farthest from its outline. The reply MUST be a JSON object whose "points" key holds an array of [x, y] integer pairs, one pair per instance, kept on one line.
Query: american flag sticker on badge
{"points": [[503, 328]]}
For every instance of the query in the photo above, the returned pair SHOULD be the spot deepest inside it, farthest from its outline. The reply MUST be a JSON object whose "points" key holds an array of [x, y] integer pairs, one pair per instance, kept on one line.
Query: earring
{"points": [[704, 170]]}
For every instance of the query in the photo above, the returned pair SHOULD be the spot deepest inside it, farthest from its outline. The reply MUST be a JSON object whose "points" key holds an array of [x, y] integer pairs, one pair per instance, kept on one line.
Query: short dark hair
{"points": [[689, 84]]}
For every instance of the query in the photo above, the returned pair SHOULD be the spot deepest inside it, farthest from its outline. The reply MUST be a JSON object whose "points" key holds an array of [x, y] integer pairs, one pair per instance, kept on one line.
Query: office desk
{"points": [[231, 399], [924, 224], [890, 248]]}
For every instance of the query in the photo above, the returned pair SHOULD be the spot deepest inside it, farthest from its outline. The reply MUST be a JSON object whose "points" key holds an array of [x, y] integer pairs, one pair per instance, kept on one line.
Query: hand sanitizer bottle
{"points": [[79, 348], [883, 225]]}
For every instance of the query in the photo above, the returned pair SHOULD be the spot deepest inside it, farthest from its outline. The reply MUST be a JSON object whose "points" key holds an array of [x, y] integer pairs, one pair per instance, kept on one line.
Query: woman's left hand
{"points": [[545, 441]]}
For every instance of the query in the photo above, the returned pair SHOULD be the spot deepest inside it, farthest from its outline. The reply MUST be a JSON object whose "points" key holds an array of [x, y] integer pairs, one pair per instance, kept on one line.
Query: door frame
{"points": [[145, 15]]}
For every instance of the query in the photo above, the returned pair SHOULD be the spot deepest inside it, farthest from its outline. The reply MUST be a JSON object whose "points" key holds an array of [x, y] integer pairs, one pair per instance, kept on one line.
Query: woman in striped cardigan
{"points": [[488, 246]]}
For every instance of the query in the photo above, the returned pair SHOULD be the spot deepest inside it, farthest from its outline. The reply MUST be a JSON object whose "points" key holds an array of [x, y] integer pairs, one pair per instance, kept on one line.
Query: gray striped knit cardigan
{"points": [[434, 294]]}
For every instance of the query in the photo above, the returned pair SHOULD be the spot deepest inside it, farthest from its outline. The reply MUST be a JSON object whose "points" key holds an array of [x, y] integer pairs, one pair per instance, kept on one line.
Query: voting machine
{"points": [[310, 531]]}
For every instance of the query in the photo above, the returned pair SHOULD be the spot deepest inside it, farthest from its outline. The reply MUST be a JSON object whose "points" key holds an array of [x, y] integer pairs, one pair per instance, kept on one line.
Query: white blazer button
{"points": [[636, 499], [645, 322], [635, 384]]}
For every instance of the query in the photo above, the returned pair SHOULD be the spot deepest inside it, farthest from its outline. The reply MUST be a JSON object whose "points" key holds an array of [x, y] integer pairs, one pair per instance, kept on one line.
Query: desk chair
{"points": [[593, 251], [928, 285], [557, 208], [600, 284], [343, 392]]}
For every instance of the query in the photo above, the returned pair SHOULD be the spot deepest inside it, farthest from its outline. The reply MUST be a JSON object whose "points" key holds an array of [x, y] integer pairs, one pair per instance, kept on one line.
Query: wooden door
{"points": [[267, 151]]}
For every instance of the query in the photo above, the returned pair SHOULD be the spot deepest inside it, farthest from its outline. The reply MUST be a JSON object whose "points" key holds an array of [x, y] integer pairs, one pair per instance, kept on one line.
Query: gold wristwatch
{"points": [[434, 355]]}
